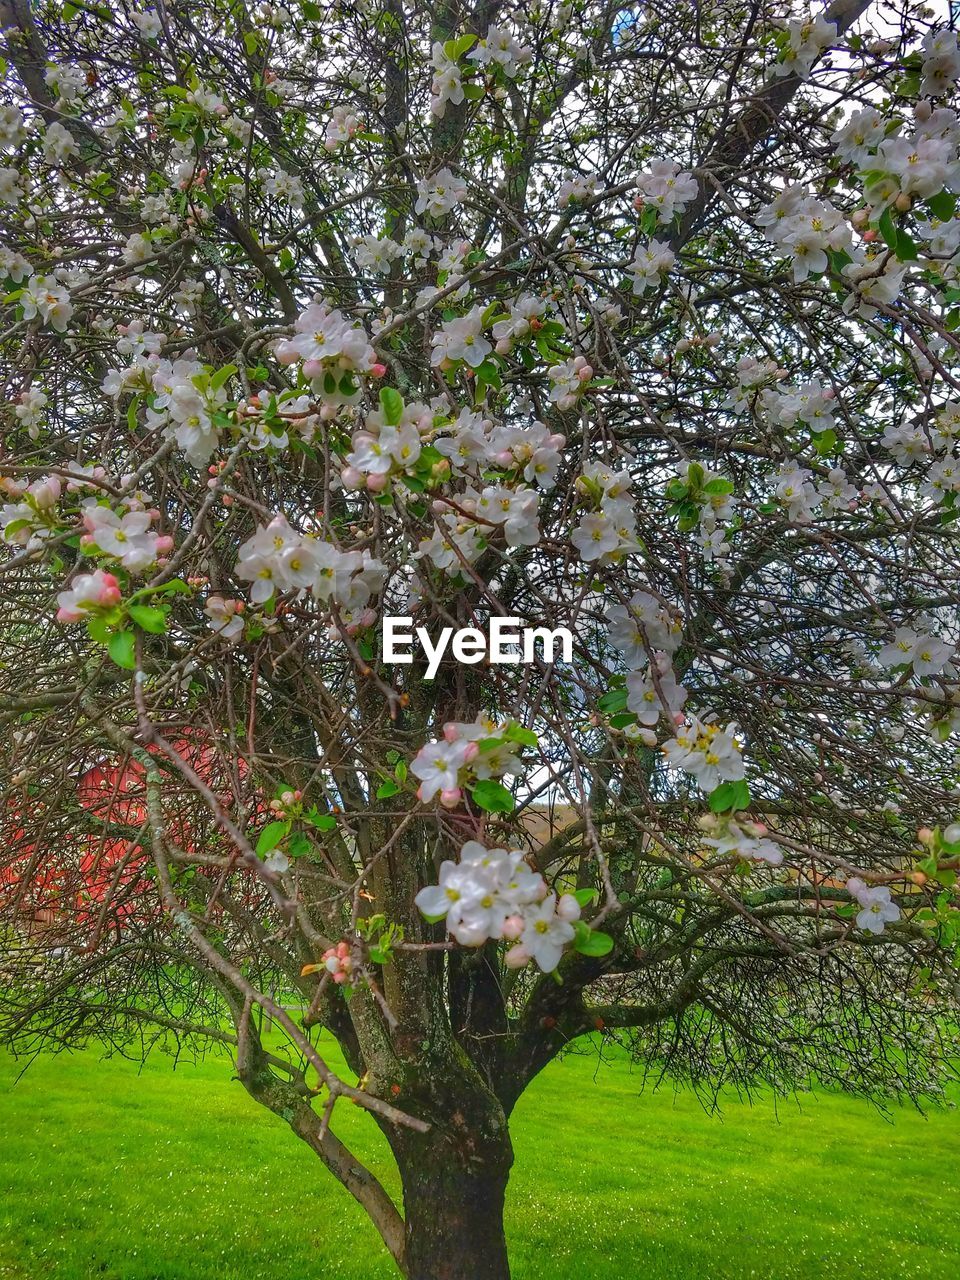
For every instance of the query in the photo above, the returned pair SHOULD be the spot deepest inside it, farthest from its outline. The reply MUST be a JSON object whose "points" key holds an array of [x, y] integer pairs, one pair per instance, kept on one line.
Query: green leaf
{"points": [[906, 247], [519, 733], [120, 649], [387, 789], [298, 845], [594, 943], [943, 205], [713, 488], [99, 630], [586, 896], [311, 10], [729, 797], [322, 821], [391, 402], [271, 835], [455, 49], [492, 797], [887, 228], [250, 42], [148, 618], [222, 376], [132, 409], [473, 92], [613, 700]]}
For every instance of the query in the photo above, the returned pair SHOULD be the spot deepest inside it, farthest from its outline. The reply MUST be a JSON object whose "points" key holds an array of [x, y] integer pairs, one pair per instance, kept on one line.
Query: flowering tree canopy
{"points": [[638, 321]]}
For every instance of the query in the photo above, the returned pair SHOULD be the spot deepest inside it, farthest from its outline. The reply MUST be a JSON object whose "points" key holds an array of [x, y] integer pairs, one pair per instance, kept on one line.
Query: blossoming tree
{"points": [[635, 320]]}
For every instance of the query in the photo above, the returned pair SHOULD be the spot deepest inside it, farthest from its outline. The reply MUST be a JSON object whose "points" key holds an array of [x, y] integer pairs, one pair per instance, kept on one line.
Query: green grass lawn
{"points": [[117, 1173]]}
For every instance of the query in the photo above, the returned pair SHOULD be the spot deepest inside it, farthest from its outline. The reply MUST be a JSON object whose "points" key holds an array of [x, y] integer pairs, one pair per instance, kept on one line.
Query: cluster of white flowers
{"points": [[748, 840], [796, 492], [59, 144], [331, 350], [438, 195], [278, 558], [806, 40], [382, 450], [147, 23], [805, 229], [447, 82], [498, 48], [283, 186], [645, 625], [461, 339], [934, 445], [648, 634], [376, 253], [666, 188], [753, 377], [856, 140], [607, 530], [876, 909], [341, 127], [874, 283], [86, 595], [48, 299], [717, 506], [707, 751], [523, 318], [650, 264], [926, 653], [917, 165], [185, 400], [576, 187], [12, 129], [941, 63], [33, 515], [469, 751], [653, 690], [811, 403], [225, 617], [492, 894], [568, 381], [29, 410], [837, 494], [471, 443], [125, 536]]}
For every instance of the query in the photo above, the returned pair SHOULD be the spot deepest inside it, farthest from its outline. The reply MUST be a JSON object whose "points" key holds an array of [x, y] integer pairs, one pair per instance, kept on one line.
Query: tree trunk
{"points": [[453, 1206]]}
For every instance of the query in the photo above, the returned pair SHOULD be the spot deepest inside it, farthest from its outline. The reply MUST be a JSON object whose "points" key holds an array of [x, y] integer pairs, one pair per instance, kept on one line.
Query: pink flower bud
{"points": [[516, 958], [352, 478], [287, 353], [471, 753], [568, 908], [313, 369], [450, 797], [504, 347], [586, 373], [163, 544], [109, 591], [377, 370], [377, 484], [512, 928]]}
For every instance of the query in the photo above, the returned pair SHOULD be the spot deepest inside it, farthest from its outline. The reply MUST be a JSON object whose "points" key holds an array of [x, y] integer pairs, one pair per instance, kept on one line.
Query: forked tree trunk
{"points": [[453, 1206]]}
